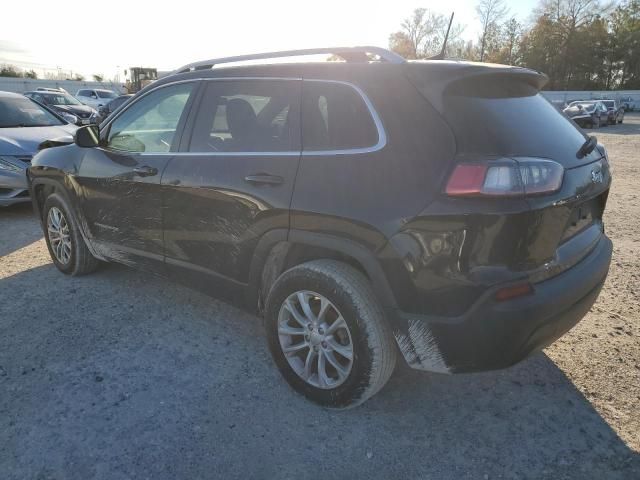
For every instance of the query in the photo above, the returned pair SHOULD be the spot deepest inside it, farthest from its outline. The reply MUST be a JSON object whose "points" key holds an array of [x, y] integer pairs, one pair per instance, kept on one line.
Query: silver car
{"points": [[24, 125]]}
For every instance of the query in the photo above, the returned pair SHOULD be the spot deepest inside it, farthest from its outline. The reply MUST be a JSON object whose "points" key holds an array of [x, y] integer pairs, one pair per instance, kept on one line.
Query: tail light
{"points": [[505, 177]]}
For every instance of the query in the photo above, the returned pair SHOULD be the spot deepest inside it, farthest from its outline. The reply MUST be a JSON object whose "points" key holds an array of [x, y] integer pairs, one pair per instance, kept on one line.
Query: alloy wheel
{"points": [[315, 339], [59, 235]]}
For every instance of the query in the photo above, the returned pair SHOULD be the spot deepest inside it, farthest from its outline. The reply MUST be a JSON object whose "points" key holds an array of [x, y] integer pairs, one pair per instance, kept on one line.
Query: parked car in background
{"points": [[95, 97], [109, 108], [51, 89], [628, 103], [456, 223], [64, 103], [616, 111], [24, 125], [588, 114]]}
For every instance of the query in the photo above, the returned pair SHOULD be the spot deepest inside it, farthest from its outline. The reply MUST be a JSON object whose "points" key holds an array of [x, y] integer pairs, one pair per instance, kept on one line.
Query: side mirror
{"points": [[93, 95], [87, 137]]}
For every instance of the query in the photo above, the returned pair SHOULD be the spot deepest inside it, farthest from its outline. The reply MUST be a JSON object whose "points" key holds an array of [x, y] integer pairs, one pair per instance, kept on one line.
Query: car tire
{"points": [[66, 245], [364, 335]]}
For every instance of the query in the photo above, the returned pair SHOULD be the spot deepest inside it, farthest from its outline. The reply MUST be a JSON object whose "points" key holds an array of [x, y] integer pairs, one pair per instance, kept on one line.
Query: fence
{"points": [[20, 85], [630, 97]]}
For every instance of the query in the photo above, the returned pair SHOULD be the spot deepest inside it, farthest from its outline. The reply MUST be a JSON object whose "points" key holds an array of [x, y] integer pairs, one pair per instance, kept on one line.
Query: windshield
{"points": [[23, 112], [106, 94], [586, 106], [60, 99]]}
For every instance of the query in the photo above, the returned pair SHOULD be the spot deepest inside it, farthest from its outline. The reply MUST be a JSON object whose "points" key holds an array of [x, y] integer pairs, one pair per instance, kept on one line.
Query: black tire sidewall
{"points": [[55, 200], [359, 377]]}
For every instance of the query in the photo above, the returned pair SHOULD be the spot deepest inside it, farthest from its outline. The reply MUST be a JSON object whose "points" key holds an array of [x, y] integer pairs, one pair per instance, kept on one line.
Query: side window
{"points": [[81, 93], [335, 117], [150, 124], [248, 116]]}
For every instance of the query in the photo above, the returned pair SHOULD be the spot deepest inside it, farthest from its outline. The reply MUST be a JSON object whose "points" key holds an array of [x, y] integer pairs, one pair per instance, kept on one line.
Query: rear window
{"points": [[106, 94], [506, 117], [335, 117]]}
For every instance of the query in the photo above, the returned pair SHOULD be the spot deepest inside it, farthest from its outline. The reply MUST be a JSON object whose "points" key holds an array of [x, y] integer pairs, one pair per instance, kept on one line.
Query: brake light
{"points": [[505, 177]]}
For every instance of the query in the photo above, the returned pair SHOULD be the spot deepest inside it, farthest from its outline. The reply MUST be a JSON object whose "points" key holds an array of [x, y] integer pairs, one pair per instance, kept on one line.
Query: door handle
{"points": [[264, 179], [145, 171]]}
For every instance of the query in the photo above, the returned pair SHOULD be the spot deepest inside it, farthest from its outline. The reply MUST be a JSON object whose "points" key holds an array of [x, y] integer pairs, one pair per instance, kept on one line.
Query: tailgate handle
{"points": [[264, 179]]}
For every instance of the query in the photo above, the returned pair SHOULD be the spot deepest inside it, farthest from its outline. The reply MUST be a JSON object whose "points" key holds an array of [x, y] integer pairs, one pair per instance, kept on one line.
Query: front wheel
{"points": [[327, 334], [64, 240]]}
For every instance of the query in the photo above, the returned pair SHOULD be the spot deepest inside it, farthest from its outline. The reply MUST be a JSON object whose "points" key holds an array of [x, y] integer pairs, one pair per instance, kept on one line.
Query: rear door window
{"points": [[335, 117], [248, 116]]}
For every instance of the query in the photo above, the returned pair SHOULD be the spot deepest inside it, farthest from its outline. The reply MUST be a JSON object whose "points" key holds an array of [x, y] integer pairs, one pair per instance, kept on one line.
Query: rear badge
{"points": [[596, 176]]}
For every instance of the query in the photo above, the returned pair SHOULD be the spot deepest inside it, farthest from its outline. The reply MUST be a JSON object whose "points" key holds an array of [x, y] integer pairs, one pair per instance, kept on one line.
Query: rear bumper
{"points": [[492, 334]]}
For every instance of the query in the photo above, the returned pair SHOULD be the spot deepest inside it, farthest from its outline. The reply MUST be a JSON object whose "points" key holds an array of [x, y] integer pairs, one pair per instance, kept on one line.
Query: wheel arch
{"points": [[42, 187], [280, 250]]}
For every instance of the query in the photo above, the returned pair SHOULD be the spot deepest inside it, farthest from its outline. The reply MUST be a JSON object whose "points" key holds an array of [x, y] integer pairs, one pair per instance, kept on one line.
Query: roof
{"points": [[10, 95]]}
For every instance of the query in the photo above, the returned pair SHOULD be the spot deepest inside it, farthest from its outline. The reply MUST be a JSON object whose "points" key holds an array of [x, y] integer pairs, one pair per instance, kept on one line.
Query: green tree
{"points": [[31, 74], [97, 77], [9, 71]]}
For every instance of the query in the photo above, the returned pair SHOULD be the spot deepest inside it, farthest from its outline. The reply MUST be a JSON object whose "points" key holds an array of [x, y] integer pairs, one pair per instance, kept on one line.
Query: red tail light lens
{"points": [[506, 177]]}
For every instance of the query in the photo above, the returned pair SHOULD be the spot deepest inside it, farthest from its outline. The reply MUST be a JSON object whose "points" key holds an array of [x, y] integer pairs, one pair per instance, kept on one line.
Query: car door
{"points": [[232, 181], [119, 182]]}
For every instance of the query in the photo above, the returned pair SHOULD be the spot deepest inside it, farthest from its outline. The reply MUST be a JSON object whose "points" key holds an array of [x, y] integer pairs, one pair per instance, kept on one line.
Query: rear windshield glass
{"points": [[505, 117]]}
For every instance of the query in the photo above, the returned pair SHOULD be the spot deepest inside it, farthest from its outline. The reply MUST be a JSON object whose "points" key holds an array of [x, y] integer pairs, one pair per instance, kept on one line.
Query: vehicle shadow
{"points": [[130, 376], [20, 226]]}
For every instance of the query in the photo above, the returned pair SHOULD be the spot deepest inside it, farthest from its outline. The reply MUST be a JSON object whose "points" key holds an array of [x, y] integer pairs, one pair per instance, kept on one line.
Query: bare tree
{"points": [[490, 12], [422, 34]]}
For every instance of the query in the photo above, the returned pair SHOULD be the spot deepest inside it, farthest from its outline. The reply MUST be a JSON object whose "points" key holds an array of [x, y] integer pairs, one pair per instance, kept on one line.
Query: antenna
{"points": [[440, 56]]}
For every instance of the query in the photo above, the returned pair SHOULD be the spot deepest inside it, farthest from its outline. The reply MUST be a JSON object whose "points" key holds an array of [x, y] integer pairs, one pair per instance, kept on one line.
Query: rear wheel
{"points": [[64, 240], [327, 334]]}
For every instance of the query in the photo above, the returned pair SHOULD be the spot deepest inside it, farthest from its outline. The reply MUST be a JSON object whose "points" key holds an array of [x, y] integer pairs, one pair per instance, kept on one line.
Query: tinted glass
{"points": [[504, 117], [247, 116], [150, 124], [59, 99], [24, 112], [106, 94], [115, 103], [335, 117], [82, 93]]}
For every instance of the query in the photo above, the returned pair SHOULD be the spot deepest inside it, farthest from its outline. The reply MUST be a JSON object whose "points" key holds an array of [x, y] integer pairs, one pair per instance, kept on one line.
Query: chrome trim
{"points": [[380, 144], [383, 53]]}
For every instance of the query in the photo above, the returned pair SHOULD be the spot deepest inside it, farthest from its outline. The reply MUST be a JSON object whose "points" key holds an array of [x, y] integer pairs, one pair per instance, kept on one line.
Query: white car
{"points": [[95, 97]]}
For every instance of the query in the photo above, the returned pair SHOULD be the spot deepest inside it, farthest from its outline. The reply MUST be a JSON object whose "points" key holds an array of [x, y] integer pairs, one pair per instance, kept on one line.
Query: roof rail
{"points": [[350, 54]]}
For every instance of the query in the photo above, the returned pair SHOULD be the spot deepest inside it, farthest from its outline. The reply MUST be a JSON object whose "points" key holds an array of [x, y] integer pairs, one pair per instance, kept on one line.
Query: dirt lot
{"points": [[119, 376]]}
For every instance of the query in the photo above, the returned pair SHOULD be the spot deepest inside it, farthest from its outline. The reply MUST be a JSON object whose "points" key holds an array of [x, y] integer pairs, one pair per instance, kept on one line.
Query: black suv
{"points": [[441, 211]]}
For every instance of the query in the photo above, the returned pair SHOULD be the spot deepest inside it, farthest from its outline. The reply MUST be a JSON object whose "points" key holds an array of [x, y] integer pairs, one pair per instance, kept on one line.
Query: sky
{"points": [[105, 38]]}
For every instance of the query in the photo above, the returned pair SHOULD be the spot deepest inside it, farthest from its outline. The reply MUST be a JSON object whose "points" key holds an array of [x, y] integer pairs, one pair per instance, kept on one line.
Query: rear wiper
{"points": [[587, 147]]}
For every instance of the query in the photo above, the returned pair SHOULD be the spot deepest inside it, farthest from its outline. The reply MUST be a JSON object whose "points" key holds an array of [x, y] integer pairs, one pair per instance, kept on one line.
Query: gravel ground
{"points": [[121, 376]]}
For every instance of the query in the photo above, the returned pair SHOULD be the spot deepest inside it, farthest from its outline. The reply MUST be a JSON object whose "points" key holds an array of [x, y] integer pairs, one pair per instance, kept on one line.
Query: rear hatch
{"points": [[497, 112]]}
